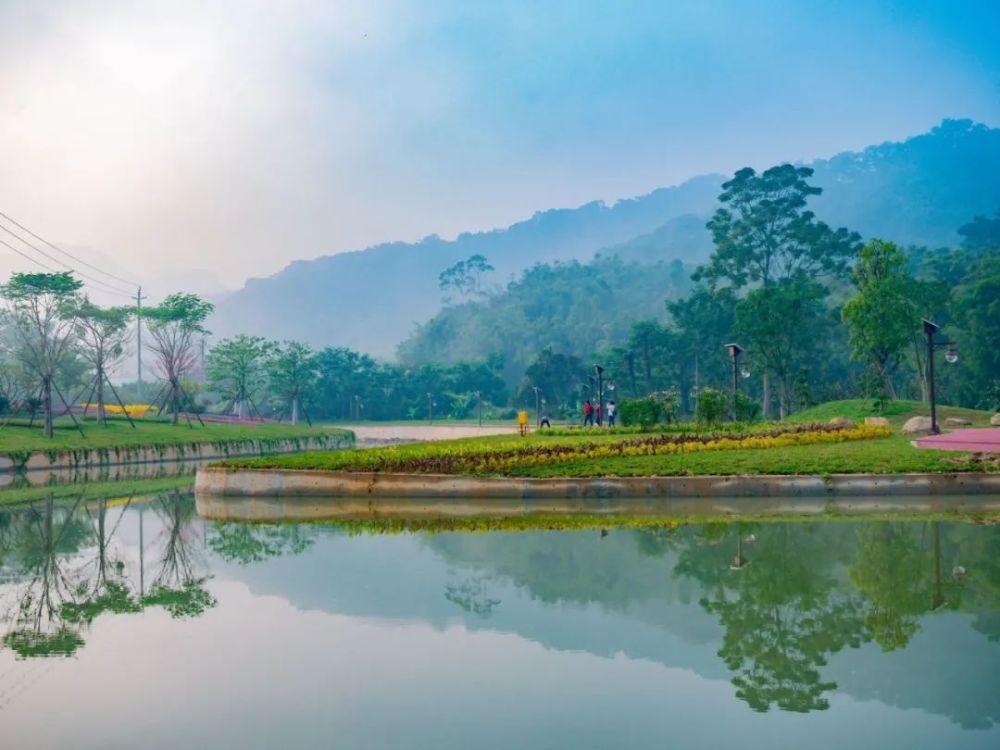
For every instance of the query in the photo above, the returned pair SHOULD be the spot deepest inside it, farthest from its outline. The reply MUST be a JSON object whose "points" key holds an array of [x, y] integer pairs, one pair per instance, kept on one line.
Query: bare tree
{"points": [[173, 327], [41, 309], [104, 333]]}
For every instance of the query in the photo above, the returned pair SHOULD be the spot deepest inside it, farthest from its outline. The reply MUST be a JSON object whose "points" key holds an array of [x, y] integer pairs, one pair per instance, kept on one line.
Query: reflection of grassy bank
{"points": [[598, 522], [117, 433], [95, 490]]}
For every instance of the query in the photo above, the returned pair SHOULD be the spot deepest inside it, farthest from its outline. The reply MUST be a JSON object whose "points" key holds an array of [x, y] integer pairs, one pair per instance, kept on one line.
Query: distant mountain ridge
{"points": [[914, 192]]}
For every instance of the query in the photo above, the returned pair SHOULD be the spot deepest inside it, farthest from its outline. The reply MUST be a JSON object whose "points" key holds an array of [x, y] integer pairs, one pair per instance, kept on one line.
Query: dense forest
{"points": [[820, 311], [914, 192]]}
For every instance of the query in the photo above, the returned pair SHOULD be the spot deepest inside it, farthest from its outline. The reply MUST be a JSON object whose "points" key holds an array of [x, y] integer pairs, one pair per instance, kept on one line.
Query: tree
{"points": [[105, 334], [41, 309], [558, 376], [465, 277], [982, 233], [783, 321], [881, 316], [291, 370], [237, 369], [977, 307], [173, 326], [764, 235]]}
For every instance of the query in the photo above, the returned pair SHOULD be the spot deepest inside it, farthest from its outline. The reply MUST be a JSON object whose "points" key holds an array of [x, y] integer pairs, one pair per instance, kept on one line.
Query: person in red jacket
{"points": [[588, 413]]}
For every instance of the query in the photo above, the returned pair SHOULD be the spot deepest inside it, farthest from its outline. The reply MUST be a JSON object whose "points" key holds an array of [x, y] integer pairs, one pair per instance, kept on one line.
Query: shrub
{"points": [[644, 412], [747, 408], [670, 404], [711, 405]]}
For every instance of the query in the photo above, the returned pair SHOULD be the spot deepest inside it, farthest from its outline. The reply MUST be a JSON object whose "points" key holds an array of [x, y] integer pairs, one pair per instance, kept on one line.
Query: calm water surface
{"points": [[138, 625]]}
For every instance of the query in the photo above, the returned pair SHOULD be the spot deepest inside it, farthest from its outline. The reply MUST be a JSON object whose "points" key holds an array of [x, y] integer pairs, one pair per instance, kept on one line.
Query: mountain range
{"points": [[914, 192]]}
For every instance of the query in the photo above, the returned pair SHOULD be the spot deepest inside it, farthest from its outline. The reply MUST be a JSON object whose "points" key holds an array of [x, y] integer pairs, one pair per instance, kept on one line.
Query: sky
{"points": [[192, 144]]}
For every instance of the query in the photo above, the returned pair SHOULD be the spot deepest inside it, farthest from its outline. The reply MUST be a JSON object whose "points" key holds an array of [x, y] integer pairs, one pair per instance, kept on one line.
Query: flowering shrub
{"points": [[134, 410], [475, 460]]}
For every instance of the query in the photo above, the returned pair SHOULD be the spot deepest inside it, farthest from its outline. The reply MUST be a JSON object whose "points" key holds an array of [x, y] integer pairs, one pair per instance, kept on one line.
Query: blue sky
{"points": [[226, 138]]}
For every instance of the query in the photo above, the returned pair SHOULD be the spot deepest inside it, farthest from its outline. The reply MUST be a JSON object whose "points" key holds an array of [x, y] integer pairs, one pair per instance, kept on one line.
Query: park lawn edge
{"points": [[152, 433], [887, 456]]}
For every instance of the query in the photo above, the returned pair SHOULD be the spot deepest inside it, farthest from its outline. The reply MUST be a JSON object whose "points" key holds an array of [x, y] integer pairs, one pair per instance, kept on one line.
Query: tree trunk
{"points": [[647, 365], [295, 409], [241, 408], [47, 405], [175, 402], [765, 387], [101, 415]]}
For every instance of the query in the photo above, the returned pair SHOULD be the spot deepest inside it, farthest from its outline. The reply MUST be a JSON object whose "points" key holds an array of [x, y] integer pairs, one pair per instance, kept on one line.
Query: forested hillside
{"points": [[914, 192], [567, 307]]}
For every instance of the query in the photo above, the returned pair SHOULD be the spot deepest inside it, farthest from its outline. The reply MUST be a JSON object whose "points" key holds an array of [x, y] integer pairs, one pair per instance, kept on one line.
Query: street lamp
{"points": [[538, 414], [600, 394], [735, 350], [950, 356], [430, 406]]}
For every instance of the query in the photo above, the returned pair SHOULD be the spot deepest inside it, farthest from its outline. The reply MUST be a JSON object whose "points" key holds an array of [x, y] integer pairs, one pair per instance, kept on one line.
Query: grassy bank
{"points": [[117, 433], [607, 454]]}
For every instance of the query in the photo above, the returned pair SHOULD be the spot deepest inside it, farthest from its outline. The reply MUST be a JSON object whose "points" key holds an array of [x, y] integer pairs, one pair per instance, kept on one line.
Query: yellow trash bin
{"points": [[522, 422]]}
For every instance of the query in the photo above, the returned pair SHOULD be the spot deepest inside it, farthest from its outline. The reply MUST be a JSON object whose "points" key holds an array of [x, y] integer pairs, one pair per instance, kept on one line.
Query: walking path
{"points": [[978, 439], [371, 434]]}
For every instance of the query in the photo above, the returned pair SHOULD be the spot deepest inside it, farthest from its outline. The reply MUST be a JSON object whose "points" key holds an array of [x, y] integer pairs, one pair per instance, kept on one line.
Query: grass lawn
{"points": [[882, 456], [897, 412], [118, 433]]}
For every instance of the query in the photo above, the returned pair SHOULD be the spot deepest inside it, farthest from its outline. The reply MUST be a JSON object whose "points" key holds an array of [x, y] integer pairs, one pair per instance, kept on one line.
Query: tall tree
{"points": [[173, 326], [41, 309], [465, 277], [764, 234], [104, 333], [237, 369], [881, 316], [982, 233], [291, 370]]}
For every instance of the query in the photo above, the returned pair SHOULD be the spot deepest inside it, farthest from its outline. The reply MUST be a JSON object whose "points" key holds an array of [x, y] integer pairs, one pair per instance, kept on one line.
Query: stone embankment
{"points": [[32, 461]]}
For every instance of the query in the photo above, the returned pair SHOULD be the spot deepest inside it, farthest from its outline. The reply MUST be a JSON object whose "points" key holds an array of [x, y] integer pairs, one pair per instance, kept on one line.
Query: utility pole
{"points": [[138, 342]]}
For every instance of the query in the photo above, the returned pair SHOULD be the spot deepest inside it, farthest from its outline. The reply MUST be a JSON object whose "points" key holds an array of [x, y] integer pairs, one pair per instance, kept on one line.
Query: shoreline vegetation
{"points": [[118, 433], [806, 445]]}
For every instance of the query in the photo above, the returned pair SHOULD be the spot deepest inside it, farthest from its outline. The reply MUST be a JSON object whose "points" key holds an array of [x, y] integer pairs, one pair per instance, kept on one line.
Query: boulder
{"points": [[877, 421], [995, 420], [957, 422], [917, 424], [841, 422]]}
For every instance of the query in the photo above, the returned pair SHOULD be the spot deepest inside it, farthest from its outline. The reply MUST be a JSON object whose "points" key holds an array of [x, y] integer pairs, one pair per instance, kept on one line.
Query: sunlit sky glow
{"points": [[204, 142]]}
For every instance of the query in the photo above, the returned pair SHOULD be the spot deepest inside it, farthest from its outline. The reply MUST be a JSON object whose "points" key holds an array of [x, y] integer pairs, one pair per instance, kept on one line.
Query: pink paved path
{"points": [[981, 439]]}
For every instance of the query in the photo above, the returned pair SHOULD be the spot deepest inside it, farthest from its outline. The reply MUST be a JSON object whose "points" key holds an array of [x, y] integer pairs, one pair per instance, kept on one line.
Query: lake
{"points": [[132, 623]]}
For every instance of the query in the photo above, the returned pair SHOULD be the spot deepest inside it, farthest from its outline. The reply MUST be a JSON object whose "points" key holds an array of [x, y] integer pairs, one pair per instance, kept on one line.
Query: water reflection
{"points": [[62, 568], [791, 614]]}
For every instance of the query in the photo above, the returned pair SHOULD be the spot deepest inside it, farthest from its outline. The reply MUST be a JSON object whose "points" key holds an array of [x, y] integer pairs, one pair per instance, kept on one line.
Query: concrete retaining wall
{"points": [[360, 494], [193, 451]]}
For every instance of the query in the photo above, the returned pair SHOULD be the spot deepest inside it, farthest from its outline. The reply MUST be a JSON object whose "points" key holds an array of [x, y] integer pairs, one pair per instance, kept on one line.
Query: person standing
{"points": [[612, 413], [588, 413]]}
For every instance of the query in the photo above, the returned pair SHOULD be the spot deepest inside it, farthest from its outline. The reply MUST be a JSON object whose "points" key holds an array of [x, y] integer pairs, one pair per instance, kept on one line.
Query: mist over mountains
{"points": [[915, 192]]}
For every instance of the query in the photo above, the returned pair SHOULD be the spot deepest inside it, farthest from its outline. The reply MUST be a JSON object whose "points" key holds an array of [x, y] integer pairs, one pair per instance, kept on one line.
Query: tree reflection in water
{"points": [[178, 586], [42, 571], [61, 568]]}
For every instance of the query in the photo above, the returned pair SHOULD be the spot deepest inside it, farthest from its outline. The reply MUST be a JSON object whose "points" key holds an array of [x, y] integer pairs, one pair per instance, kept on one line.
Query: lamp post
{"points": [[538, 414], [735, 350], [950, 356], [430, 406], [600, 394]]}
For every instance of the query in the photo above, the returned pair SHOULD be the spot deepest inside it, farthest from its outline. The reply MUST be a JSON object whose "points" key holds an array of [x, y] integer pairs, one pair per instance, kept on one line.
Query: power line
{"points": [[101, 284], [67, 254], [25, 255]]}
